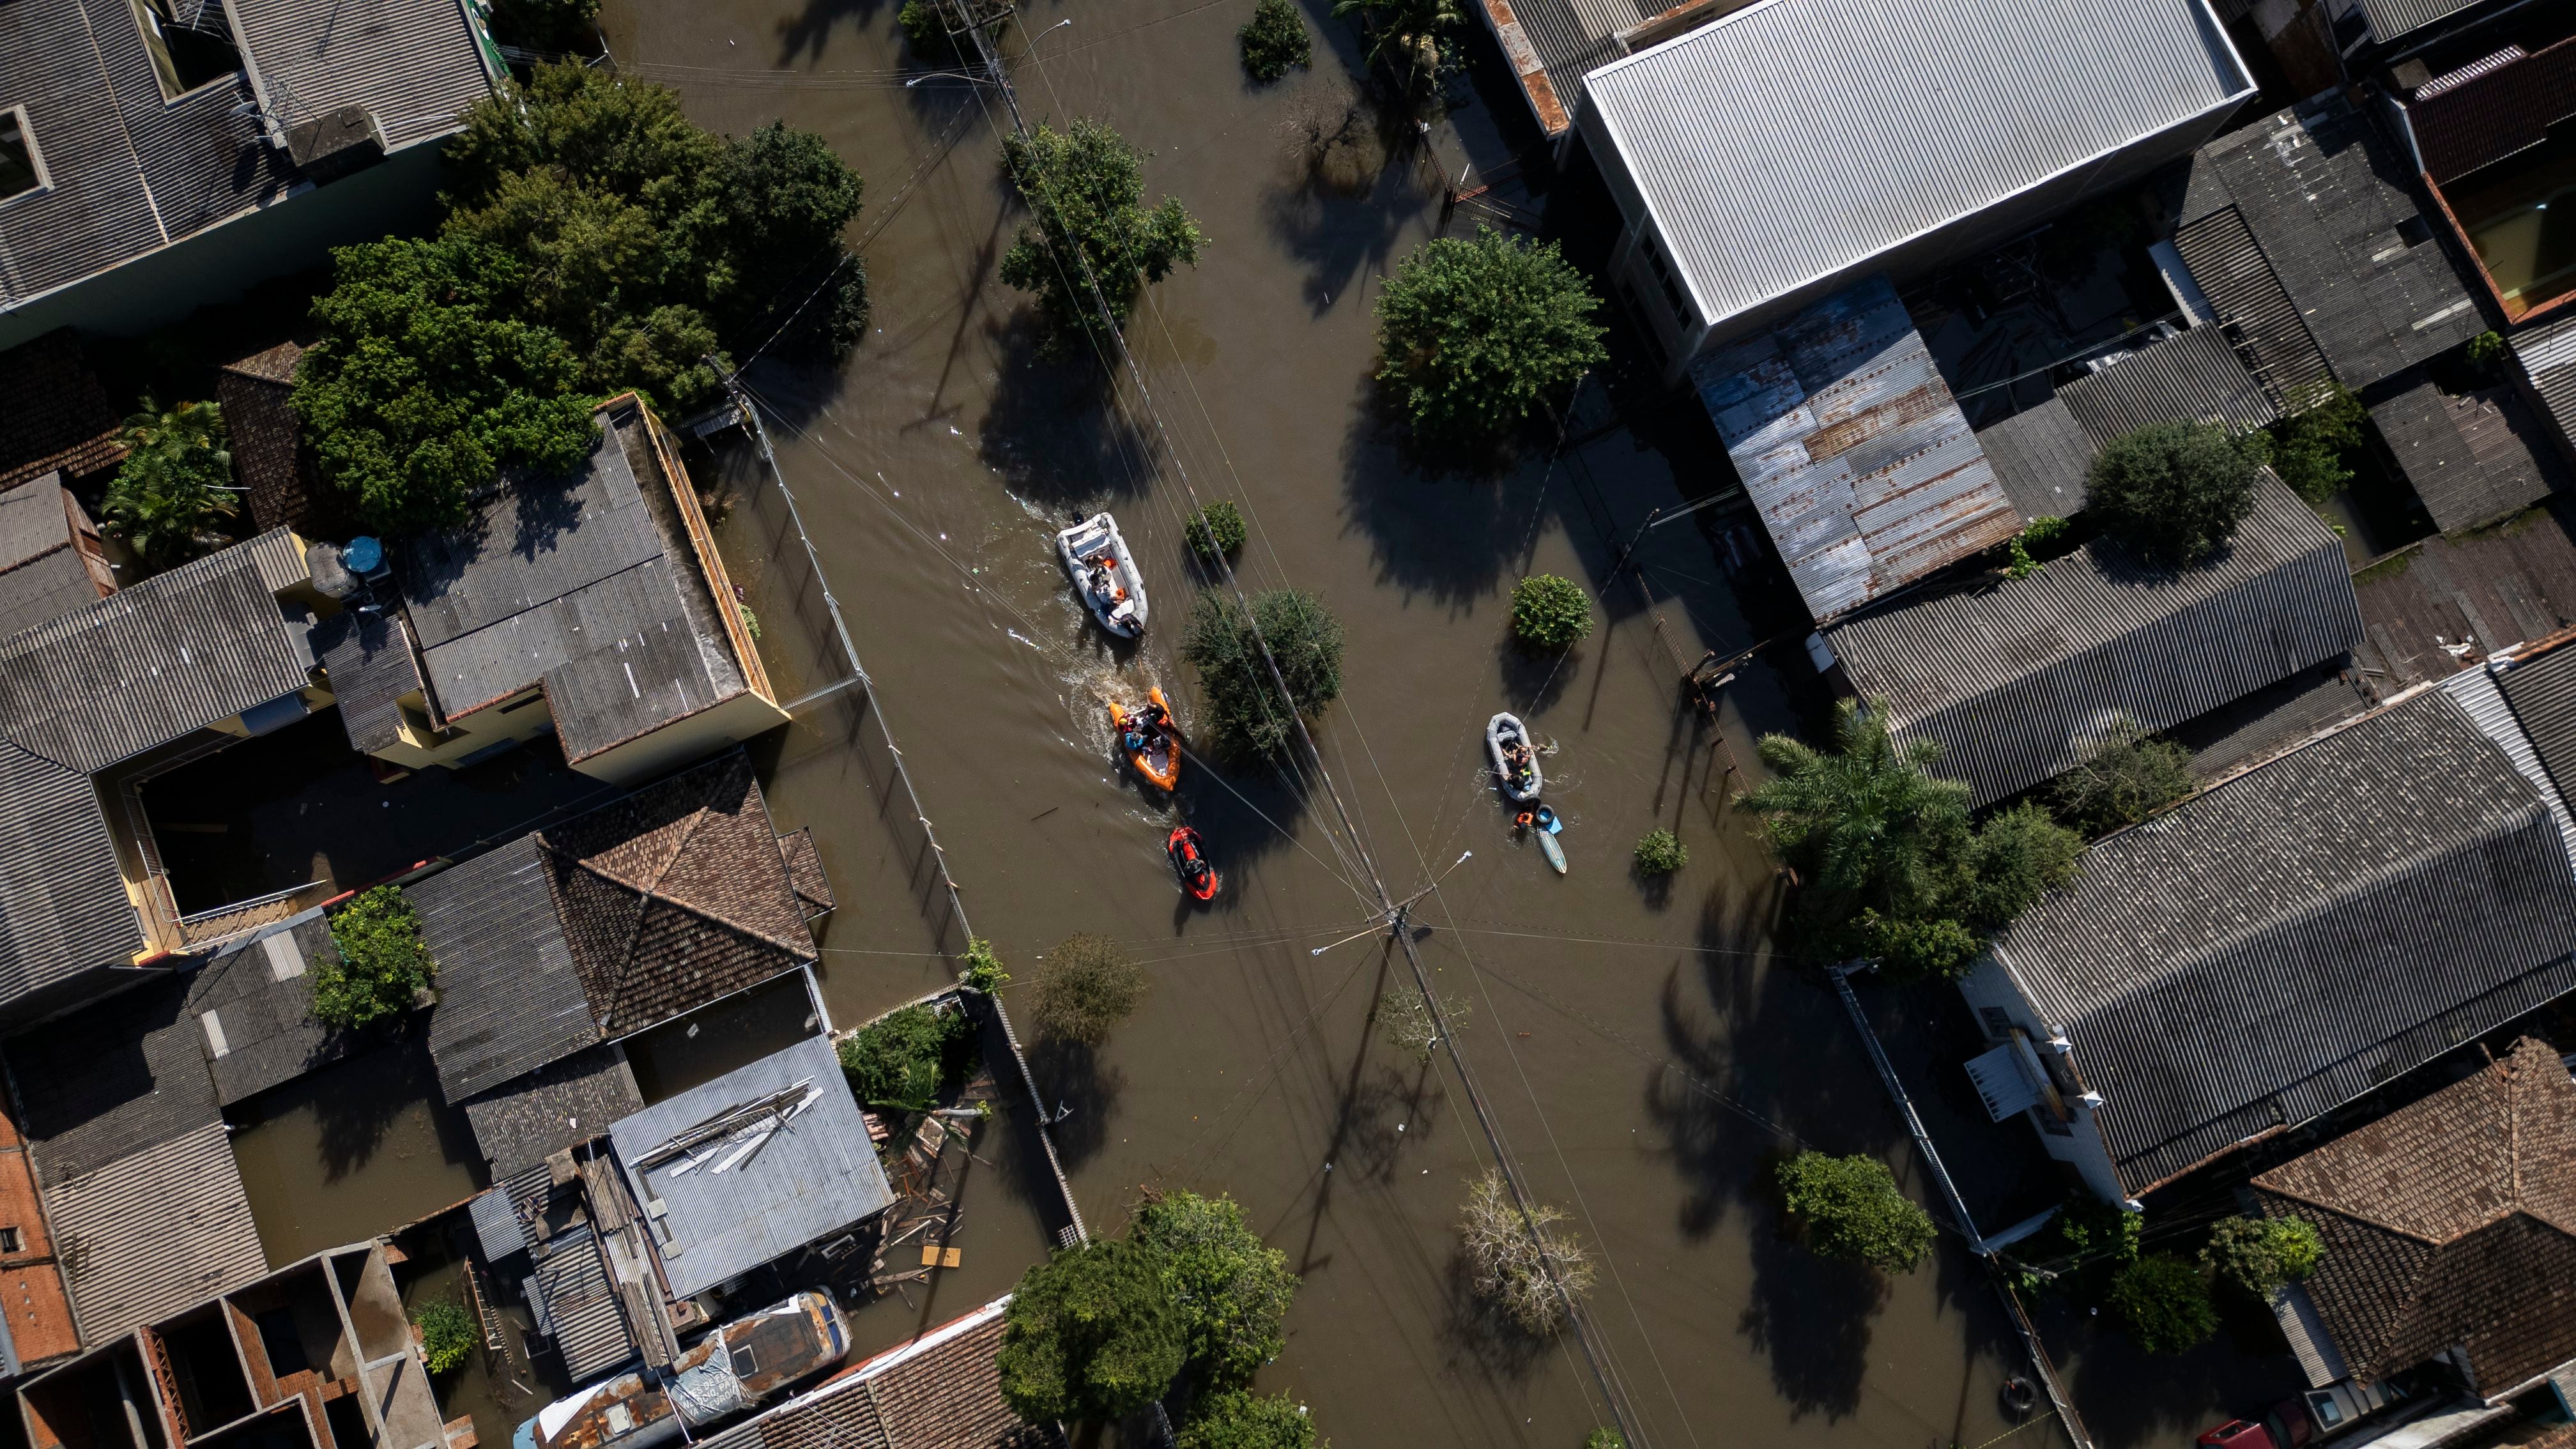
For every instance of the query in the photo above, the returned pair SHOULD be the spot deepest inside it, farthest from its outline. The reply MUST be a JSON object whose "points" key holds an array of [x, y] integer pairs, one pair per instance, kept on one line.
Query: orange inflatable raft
{"points": [[1160, 760]]}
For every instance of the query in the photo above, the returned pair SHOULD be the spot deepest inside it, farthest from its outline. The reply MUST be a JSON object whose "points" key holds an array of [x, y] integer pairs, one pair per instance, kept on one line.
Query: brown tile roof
{"points": [[53, 413], [2450, 1221], [676, 895], [805, 868], [286, 490]]}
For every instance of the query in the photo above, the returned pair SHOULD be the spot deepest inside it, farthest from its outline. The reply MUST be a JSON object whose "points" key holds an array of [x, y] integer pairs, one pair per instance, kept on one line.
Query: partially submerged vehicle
{"points": [[1520, 777], [1104, 573], [729, 1372], [1160, 759]]}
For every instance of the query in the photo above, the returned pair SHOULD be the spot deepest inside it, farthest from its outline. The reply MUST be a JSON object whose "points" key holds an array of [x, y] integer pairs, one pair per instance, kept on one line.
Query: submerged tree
{"points": [[1404, 34], [1089, 227], [1240, 1419], [1851, 1208], [1472, 334], [1274, 41], [174, 493], [1245, 713], [1523, 1265], [1083, 988], [1091, 1334], [1405, 1016], [2165, 1304], [1890, 865]]}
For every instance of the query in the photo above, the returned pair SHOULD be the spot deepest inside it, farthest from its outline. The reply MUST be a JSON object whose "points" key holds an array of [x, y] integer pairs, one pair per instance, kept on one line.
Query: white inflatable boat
{"points": [[1522, 783], [1104, 574]]}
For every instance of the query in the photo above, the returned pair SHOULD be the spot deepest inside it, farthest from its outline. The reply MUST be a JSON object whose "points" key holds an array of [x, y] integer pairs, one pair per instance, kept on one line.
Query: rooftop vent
{"points": [[336, 143]]}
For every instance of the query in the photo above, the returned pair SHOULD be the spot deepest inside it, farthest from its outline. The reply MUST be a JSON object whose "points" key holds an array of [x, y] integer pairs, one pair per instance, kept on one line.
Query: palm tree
{"points": [[175, 490], [1408, 30]]}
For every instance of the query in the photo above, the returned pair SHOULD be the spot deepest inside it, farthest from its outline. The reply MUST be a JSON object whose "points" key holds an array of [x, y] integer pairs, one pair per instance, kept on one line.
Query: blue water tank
{"points": [[363, 556]]}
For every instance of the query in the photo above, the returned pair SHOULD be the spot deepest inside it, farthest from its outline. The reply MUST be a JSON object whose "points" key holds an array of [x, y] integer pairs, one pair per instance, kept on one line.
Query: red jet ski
{"points": [[1190, 861]]}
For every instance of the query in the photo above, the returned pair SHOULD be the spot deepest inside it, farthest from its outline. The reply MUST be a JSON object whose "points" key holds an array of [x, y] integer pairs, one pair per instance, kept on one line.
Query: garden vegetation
{"points": [[2256, 1255], [900, 1060], [172, 497], [1240, 1419], [1085, 987], [1660, 853], [2131, 777], [2172, 492], [1851, 1208], [1890, 866], [1275, 41], [447, 1334], [383, 962], [1085, 190], [1215, 531], [1550, 613], [2164, 1303], [1245, 715]]}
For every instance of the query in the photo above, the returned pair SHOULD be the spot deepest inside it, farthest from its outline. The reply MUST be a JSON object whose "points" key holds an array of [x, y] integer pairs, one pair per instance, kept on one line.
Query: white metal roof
{"points": [[1797, 138]]}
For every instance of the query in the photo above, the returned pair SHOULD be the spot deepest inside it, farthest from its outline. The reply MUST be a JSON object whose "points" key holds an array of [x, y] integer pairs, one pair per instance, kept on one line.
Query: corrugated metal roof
{"points": [[1798, 139], [2328, 208], [2542, 691], [2039, 456], [581, 1314], [2194, 378], [259, 990], [1852, 448], [2485, 705], [113, 1078], [155, 1232], [509, 1000], [63, 907], [2471, 457], [816, 1175], [2548, 357], [2019, 680], [130, 172], [2277, 945], [371, 665], [2390, 19], [155, 662], [415, 63]]}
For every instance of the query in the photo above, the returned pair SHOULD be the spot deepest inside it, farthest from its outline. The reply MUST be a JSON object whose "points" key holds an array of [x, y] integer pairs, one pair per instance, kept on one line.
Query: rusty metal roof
{"points": [[1853, 449]]}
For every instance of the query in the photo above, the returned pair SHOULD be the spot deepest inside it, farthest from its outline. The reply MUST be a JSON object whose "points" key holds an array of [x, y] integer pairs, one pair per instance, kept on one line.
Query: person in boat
{"points": [[1157, 720]]}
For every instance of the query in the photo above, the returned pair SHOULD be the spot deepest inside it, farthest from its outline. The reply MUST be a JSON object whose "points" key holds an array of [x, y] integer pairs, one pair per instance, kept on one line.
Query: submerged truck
{"points": [[729, 1372]]}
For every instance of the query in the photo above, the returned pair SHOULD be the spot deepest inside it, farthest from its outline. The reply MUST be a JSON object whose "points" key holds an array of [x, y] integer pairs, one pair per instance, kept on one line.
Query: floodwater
{"points": [[361, 1147], [1637, 1050]]}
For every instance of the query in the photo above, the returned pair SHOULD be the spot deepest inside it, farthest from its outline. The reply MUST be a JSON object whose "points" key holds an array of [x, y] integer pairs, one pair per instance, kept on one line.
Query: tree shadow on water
{"points": [[805, 35], [1054, 431], [1347, 189], [1073, 1077], [1445, 520], [1812, 1318]]}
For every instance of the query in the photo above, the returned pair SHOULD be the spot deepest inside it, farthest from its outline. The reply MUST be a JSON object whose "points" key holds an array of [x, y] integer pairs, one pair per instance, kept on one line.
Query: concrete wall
{"points": [[1989, 987], [397, 196]]}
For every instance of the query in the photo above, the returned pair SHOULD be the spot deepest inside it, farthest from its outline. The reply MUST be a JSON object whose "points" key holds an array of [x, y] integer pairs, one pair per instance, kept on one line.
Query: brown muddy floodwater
{"points": [[1642, 1054]]}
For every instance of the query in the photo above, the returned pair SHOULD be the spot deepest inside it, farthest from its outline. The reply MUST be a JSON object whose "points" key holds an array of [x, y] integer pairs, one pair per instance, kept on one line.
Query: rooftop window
{"points": [[190, 41], [19, 171]]}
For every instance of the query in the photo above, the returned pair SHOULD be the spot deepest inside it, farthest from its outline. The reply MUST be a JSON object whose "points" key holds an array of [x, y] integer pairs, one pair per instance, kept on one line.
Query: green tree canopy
{"points": [[1851, 1208], [1237, 1419], [1274, 41], [1549, 612], [650, 245], [1246, 716], [1890, 865], [2173, 492], [173, 494], [2309, 449], [383, 964], [1233, 1291], [1472, 334], [1085, 190], [900, 1059], [2130, 778], [422, 389], [2165, 1303], [1091, 1334], [1405, 34], [2257, 1255], [447, 1334]]}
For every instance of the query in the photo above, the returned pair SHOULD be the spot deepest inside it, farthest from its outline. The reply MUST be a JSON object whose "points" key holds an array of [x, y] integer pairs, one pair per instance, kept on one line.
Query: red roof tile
{"points": [[53, 413]]}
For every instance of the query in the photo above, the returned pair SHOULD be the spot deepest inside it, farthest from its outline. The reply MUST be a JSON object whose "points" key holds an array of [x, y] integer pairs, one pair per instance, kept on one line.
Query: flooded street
{"points": [[1639, 1053]]}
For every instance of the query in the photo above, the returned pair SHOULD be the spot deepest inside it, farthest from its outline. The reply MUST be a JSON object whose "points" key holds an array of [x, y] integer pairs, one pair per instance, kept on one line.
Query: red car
{"points": [[2237, 1434]]}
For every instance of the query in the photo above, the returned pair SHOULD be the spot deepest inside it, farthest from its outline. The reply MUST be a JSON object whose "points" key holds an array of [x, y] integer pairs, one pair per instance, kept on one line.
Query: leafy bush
{"points": [[1889, 865], [1246, 716], [1517, 1261], [1549, 612], [2165, 1303], [1086, 987], [1215, 531], [1605, 1437], [1851, 1208], [2084, 1245], [556, 25], [1232, 1291], [2257, 1255], [647, 243], [1472, 334], [447, 1333], [1405, 34], [2047, 536], [2308, 450], [899, 1060], [171, 496], [983, 968], [1405, 1018], [2173, 492], [1085, 189], [2130, 778], [1275, 41], [1661, 852], [2486, 352], [1239, 1419], [383, 965], [926, 29], [424, 386], [1091, 1334]]}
